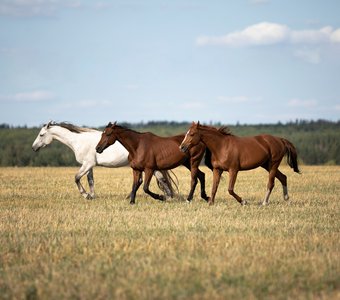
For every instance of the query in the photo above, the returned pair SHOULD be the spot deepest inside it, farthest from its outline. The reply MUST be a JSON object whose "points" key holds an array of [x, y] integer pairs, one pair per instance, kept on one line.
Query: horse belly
{"points": [[253, 156]]}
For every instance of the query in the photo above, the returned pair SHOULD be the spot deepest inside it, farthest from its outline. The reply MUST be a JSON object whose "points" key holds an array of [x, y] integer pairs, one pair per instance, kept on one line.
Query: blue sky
{"points": [[246, 61]]}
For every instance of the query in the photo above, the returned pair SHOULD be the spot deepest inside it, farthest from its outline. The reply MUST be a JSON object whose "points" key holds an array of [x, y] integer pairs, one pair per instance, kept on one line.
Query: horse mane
{"points": [[225, 130], [72, 128], [123, 127]]}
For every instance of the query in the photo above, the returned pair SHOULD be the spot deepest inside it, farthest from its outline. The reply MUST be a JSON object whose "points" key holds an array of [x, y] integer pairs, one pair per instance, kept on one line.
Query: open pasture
{"points": [[56, 245]]}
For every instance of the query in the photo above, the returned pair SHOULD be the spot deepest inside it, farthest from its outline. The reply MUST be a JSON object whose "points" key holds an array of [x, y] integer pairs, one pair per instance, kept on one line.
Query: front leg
{"points": [[216, 180], [82, 171]]}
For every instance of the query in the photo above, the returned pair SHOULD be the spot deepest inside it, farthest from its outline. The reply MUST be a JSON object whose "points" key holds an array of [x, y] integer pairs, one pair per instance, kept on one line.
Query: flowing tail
{"points": [[291, 155], [166, 183]]}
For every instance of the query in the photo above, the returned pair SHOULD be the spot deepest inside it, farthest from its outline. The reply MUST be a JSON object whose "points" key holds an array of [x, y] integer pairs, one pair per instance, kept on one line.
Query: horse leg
{"points": [[271, 183], [216, 180], [90, 180], [232, 180], [283, 179], [193, 184], [201, 177], [163, 183], [148, 176], [137, 181], [82, 171]]}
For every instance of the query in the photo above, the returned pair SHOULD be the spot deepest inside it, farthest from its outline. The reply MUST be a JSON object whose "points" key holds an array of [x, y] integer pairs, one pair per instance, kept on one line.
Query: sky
{"points": [[244, 61]]}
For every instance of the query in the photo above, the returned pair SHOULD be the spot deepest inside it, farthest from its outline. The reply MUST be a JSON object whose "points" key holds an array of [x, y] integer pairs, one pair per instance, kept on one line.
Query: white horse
{"points": [[83, 142]]}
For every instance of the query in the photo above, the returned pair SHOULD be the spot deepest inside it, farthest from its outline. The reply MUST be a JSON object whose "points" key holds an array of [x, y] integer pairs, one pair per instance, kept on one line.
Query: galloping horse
{"points": [[149, 152], [83, 141], [231, 153]]}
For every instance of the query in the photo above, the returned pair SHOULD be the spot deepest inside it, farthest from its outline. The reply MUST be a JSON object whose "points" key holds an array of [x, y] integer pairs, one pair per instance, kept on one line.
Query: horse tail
{"points": [[291, 155], [167, 183], [207, 158]]}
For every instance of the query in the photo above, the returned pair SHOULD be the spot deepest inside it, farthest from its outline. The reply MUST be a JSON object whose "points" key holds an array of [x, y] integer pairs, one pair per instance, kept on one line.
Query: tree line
{"points": [[317, 142]]}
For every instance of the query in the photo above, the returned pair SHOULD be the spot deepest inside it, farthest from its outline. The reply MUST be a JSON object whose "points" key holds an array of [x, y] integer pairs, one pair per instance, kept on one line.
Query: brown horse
{"points": [[231, 153], [149, 152]]}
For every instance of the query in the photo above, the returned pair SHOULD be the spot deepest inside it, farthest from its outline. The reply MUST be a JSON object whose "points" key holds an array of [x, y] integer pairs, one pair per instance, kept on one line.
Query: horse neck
{"points": [[65, 136], [129, 139], [212, 139]]}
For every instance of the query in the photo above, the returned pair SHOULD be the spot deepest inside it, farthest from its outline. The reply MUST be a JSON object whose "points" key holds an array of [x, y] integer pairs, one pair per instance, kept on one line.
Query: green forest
{"points": [[317, 142]]}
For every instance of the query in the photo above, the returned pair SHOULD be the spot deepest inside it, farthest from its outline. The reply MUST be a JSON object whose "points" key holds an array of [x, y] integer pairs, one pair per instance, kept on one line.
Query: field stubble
{"points": [[54, 244]]}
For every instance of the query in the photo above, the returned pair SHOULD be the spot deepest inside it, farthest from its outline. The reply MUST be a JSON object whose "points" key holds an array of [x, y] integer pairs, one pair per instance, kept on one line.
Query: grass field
{"points": [[56, 245]]}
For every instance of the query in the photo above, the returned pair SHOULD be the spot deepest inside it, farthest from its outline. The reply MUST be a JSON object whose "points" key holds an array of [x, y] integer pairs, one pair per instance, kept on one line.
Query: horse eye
{"points": [[42, 134]]}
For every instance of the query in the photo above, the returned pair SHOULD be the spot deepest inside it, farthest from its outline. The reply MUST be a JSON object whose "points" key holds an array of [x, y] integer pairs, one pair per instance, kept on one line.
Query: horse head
{"points": [[192, 137], [44, 137], [108, 137]]}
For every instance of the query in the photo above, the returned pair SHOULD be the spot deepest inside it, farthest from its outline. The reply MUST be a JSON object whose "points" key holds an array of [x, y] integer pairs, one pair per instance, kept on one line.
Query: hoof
{"points": [[188, 201], [132, 202], [264, 203], [244, 202], [210, 203], [86, 196], [162, 198], [205, 197], [286, 198]]}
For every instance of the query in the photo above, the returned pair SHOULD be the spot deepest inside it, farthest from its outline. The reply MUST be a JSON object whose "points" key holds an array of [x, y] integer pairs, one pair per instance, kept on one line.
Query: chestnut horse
{"points": [[231, 153], [149, 152]]}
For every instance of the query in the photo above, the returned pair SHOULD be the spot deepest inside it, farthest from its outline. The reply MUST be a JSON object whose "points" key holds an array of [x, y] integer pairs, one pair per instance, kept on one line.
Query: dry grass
{"points": [[56, 245]]}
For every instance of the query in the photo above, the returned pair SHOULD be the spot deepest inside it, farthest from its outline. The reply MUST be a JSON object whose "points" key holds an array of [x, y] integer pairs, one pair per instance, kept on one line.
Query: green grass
{"points": [[56, 245]]}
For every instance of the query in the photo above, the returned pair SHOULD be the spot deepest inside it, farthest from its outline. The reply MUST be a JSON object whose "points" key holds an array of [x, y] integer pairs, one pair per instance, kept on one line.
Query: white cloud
{"points": [[266, 33], [309, 55], [335, 36], [34, 96], [311, 36], [305, 103]]}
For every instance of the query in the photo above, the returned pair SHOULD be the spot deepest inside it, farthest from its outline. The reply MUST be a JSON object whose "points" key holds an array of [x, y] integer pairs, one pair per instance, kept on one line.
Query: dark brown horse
{"points": [[231, 153], [149, 152]]}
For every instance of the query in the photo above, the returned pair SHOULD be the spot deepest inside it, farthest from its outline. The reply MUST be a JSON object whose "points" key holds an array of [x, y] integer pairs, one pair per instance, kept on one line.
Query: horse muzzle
{"points": [[183, 148], [99, 149]]}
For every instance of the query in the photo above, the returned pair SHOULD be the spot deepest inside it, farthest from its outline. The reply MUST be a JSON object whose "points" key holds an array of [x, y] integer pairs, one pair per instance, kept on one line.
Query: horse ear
{"points": [[115, 123], [198, 123], [49, 124]]}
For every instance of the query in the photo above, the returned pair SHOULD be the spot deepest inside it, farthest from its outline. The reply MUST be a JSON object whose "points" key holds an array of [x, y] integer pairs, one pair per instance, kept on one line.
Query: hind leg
{"points": [[201, 177], [232, 180], [137, 181], [283, 179], [271, 182], [194, 172], [147, 179], [90, 180]]}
